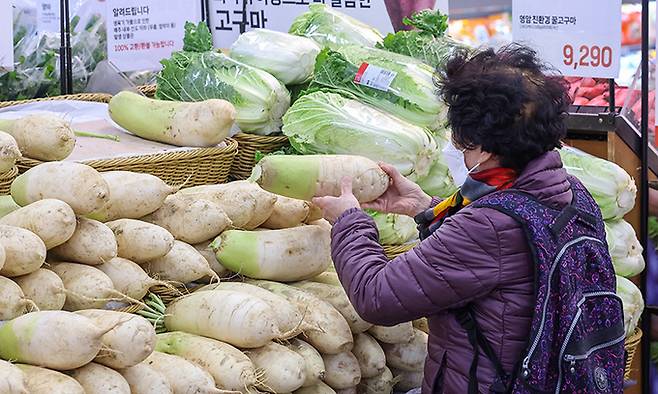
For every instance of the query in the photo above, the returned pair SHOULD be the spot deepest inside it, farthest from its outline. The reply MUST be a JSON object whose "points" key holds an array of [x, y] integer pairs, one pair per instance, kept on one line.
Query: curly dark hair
{"points": [[504, 102]]}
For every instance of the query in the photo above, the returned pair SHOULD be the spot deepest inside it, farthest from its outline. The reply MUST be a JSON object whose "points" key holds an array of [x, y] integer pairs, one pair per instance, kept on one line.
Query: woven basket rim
{"points": [[265, 139], [633, 339], [9, 175], [92, 97]]}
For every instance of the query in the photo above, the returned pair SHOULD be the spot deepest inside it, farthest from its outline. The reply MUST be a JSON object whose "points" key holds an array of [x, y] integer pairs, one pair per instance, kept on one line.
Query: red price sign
{"points": [[592, 56]]}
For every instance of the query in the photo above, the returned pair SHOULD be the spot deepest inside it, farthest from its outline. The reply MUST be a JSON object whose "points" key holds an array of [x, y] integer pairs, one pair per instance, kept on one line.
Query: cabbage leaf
{"points": [[625, 249], [633, 302]]}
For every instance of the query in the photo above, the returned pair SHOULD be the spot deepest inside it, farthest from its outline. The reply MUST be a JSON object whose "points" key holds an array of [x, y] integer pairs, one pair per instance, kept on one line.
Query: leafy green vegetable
{"points": [[631, 298], [260, 99], [613, 188], [394, 229], [197, 37], [653, 227], [331, 28], [289, 58], [327, 123], [625, 248], [654, 352], [438, 182], [411, 95], [428, 21]]}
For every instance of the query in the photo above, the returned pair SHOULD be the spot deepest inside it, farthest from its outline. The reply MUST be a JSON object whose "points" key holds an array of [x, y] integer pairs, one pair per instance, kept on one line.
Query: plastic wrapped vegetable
{"points": [[329, 27], [625, 248], [327, 123], [289, 58], [631, 297], [394, 229], [613, 188], [397, 84], [259, 99]]}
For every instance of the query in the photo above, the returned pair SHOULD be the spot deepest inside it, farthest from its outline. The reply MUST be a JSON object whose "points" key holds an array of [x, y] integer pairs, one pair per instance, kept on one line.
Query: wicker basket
{"points": [[248, 145], [392, 251], [6, 179], [147, 90], [631, 345], [93, 97]]}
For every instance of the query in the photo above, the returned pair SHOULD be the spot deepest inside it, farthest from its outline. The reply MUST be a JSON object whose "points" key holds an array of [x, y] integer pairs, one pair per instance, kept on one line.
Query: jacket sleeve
{"points": [[457, 264]]}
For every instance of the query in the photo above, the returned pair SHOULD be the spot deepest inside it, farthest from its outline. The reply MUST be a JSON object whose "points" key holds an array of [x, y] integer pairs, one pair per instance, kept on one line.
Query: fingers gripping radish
{"points": [[182, 264], [132, 195], [369, 354], [43, 287], [184, 376], [305, 177], [92, 243], [78, 185], [97, 379], [282, 255], [143, 379], [86, 287], [237, 318], [140, 241], [12, 379], [44, 381], [287, 213], [191, 221], [128, 343], [42, 136], [282, 368], [51, 220], [230, 368], [53, 339], [400, 333], [24, 251], [313, 364], [408, 356], [342, 370], [9, 152]]}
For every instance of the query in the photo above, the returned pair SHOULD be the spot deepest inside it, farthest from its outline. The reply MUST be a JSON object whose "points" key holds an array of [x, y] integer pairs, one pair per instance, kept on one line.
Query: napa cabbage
{"points": [[625, 248]]}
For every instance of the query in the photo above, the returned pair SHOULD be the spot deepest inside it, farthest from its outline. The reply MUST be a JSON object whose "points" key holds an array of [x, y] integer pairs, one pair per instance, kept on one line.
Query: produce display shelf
{"points": [[6, 179]]}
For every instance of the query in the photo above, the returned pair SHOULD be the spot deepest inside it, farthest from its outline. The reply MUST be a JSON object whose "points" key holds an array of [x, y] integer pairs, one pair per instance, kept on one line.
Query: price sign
{"points": [[141, 33], [570, 36], [6, 36]]}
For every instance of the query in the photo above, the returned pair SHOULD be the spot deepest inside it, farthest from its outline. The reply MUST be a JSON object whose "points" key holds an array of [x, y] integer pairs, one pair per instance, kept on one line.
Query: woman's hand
{"points": [[333, 207], [402, 196]]}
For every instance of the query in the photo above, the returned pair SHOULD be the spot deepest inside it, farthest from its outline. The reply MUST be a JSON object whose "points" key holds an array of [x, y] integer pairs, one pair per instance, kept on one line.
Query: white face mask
{"points": [[454, 159]]}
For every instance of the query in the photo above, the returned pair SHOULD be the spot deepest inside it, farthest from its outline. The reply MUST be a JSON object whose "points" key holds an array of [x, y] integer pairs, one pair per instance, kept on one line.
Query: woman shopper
{"points": [[518, 219]]}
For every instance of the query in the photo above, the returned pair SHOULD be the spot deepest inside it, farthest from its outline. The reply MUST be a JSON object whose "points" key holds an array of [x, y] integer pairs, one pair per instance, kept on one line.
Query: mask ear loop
{"points": [[469, 172]]}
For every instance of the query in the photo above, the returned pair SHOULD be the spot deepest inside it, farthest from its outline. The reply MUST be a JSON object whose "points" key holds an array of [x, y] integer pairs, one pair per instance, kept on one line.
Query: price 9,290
{"points": [[587, 56]]}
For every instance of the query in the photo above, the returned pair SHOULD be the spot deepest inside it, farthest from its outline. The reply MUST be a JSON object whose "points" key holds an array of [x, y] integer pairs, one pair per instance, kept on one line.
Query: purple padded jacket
{"points": [[477, 255]]}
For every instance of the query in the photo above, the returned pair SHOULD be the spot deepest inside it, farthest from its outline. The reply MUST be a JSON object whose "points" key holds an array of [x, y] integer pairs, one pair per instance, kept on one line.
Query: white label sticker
{"points": [[6, 36], [375, 77], [48, 16], [570, 36], [141, 33]]}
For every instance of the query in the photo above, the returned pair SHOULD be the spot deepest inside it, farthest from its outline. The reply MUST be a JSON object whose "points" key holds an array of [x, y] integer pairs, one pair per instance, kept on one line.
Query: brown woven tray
{"points": [[6, 179], [248, 145], [93, 97], [631, 345]]}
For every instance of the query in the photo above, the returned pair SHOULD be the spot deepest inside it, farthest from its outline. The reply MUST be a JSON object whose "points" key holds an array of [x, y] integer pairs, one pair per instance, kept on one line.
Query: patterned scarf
{"points": [[477, 185]]}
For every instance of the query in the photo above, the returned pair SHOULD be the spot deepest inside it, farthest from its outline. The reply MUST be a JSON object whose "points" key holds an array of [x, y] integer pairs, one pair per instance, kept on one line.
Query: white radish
{"points": [[45, 381], [140, 241], [209, 254], [330, 333], [131, 339], [329, 278], [97, 379], [369, 354], [320, 388], [399, 333], [7, 205], [289, 317], [184, 376], [132, 195], [12, 300], [188, 220], [43, 287], [129, 278], [92, 243], [281, 255], [9, 152], [408, 356], [382, 383], [144, 379], [337, 297], [313, 363], [283, 369], [342, 370], [53, 339], [51, 220], [43, 137], [24, 251], [406, 380], [350, 390], [230, 368], [78, 185], [86, 287], [12, 379], [287, 213], [182, 264], [237, 318]]}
